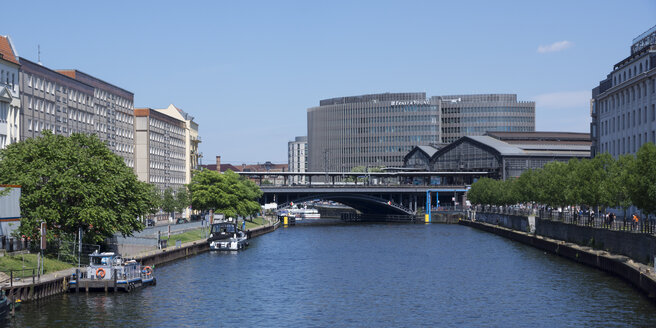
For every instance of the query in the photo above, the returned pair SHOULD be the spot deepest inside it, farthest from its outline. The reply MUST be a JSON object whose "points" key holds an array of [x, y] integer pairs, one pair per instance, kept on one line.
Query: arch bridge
{"points": [[370, 200]]}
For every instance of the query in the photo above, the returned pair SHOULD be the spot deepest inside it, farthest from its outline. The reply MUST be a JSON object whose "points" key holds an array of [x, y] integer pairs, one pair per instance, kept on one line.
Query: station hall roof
{"points": [[504, 148]]}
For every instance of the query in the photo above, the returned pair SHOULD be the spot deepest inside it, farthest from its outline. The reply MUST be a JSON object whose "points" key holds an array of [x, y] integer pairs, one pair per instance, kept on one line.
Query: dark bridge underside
{"points": [[364, 203]]}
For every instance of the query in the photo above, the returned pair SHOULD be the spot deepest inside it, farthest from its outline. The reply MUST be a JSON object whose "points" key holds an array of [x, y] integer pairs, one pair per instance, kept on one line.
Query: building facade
{"points": [[53, 101], [507, 154], [297, 158], [191, 138], [473, 115], [623, 106], [369, 130], [160, 153], [9, 93], [378, 130], [113, 114]]}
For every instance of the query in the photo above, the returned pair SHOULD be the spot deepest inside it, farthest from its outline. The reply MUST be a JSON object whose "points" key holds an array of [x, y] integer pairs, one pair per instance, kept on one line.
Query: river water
{"points": [[362, 275]]}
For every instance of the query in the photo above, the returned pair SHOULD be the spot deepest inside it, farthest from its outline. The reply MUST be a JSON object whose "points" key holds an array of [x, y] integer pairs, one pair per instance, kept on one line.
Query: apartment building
{"points": [[9, 93]]}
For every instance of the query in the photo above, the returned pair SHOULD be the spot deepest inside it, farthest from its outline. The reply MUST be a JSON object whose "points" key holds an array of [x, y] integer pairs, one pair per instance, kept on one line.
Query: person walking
{"points": [[635, 221]]}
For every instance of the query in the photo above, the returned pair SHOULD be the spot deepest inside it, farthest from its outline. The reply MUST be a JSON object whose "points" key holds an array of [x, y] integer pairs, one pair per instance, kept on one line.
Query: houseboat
{"points": [[225, 236], [110, 272]]}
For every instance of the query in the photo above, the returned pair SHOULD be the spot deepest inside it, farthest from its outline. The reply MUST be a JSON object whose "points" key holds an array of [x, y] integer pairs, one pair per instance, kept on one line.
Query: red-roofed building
{"points": [[10, 104]]}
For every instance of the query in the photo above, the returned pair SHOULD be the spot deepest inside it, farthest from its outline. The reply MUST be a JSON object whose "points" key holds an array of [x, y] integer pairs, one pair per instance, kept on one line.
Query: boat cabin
{"points": [[223, 230]]}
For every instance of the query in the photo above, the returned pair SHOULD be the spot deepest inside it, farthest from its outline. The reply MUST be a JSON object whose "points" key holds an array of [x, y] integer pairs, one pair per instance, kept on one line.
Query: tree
{"points": [[182, 199], [482, 192], [226, 193], [642, 188], [619, 181], [553, 181], [74, 182], [168, 202]]}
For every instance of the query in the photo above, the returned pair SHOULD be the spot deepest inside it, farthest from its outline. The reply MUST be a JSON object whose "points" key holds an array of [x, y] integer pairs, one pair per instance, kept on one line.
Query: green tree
{"points": [[226, 193], [182, 199], [619, 182], [553, 180], [168, 202], [642, 187], [74, 182], [526, 187], [483, 192]]}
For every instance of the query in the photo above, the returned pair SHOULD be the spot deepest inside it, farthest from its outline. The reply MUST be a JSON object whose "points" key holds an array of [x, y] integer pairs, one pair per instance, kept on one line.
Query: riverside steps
{"points": [[58, 282], [638, 274]]}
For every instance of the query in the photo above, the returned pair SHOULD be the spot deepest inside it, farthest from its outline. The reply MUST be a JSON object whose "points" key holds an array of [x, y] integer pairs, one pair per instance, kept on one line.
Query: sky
{"points": [[249, 70]]}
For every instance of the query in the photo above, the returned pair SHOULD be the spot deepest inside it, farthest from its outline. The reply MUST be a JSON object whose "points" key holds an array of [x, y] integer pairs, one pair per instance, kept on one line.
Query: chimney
{"points": [[218, 164]]}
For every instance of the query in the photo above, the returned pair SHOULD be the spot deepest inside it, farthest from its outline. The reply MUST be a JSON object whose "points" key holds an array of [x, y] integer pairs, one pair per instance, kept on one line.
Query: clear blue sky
{"points": [[248, 70]]}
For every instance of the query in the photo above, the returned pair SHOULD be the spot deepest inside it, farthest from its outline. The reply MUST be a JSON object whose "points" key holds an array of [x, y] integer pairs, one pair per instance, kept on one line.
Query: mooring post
{"points": [[77, 282], [114, 280]]}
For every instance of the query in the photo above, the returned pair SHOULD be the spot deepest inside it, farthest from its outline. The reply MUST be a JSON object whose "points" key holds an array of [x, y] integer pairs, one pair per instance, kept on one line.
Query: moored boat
{"points": [[110, 272], [225, 236]]}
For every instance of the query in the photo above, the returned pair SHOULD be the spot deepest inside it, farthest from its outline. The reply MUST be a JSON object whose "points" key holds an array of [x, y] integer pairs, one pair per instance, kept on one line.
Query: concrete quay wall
{"points": [[640, 247], [639, 275]]}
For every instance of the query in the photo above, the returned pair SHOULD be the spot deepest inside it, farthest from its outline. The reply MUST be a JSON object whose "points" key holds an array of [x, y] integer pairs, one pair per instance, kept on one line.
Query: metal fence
{"points": [[13, 275], [587, 218], [69, 252]]}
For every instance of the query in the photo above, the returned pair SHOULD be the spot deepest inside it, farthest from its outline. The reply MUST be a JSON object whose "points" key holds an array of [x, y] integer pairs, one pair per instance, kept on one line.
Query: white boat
{"points": [[225, 236], [301, 213]]}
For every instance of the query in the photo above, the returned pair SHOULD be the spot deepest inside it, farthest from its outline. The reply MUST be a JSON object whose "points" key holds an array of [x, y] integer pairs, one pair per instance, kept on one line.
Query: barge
{"points": [[110, 272]]}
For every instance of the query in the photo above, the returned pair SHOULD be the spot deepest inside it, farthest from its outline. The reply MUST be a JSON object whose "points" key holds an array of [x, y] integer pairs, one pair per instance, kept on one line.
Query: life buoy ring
{"points": [[147, 270], [100, 273]]}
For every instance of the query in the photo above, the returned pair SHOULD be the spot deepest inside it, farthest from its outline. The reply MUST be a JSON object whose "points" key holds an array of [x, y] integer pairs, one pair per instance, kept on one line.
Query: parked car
{"points": [[180, 221], [150, 223]]}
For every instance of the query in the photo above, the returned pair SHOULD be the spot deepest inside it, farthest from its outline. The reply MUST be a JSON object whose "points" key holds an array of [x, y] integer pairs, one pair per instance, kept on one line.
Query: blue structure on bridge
{"points": [[429, 204]]}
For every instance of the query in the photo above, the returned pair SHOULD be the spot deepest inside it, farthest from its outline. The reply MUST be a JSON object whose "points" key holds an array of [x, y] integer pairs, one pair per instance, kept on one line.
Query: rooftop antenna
{"points": [[38, 47]]}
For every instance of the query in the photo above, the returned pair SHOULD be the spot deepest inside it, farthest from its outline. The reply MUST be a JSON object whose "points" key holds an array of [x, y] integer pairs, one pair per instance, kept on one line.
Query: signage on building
{"points": [[410, 102]]}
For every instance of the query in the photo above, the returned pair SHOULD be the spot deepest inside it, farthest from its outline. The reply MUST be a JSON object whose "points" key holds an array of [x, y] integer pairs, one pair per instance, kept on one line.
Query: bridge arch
{"points": [[368, 204]]}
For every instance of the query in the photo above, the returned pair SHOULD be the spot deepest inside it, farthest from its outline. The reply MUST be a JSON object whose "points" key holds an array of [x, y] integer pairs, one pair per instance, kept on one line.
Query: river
{"points": [[362, 275]]}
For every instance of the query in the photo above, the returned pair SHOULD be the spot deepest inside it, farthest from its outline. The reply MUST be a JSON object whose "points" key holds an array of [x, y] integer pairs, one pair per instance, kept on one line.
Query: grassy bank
{"points": [[29, 261], [259, 221], [199, 234], [188, 236]]}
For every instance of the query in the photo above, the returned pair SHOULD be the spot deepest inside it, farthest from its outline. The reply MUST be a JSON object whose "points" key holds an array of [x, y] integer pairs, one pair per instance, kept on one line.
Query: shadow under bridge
{"points": [[367, 204]]}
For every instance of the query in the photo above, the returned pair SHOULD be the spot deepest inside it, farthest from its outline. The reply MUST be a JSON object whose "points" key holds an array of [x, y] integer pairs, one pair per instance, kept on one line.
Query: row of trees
{"points": [[599, 182], [77, 182]]}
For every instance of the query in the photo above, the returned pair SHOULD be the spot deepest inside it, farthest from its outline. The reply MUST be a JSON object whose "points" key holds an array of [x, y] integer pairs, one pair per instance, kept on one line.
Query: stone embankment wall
{"points": [[514, 222], [445, 217], [641, 247]]}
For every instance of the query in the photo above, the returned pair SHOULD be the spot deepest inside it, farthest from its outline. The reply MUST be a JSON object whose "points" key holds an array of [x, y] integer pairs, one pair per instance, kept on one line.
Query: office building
{"points": [[53, 101], [9, 93], [191, 138], [113, 114], [623, 106], [160, 148], [297, 158], [379, 130], [473, 115]]}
